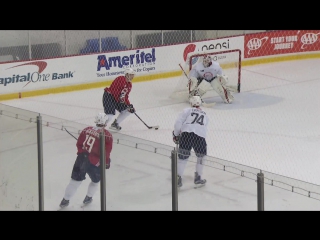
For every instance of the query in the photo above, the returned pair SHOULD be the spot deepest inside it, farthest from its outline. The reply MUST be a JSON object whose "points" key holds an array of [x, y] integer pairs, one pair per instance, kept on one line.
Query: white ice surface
{"points": [[272, 125]]}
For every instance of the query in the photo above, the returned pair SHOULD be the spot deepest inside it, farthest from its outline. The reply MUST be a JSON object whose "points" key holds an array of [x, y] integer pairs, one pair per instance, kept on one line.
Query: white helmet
{"points": [[207, 60], [129, 71], [101, 119], [195, 101]]}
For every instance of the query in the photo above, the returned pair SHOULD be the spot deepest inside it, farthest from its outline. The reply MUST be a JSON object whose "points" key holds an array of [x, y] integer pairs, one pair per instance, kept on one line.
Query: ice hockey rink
{"points": [[272, 125]]}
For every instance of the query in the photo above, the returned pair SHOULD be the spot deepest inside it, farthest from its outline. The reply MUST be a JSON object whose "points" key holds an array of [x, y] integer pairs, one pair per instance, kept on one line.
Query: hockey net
{"points": [[229, 60]]}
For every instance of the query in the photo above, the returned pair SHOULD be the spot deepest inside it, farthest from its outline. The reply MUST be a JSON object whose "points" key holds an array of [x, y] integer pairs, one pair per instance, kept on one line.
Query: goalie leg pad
{"points": [[203, 87], [222, 91], [193, 83], [232, 88], [224, 82]]}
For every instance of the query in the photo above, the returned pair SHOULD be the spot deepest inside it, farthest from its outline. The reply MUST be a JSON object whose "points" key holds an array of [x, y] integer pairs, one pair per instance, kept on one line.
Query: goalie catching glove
{"points": [[130, 108], [175, 138]]}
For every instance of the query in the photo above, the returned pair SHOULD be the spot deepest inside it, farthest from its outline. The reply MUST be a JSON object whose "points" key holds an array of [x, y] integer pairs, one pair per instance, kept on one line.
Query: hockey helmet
{"points": [[129, 71], [207, 60], [195, 101], [101, 119]]}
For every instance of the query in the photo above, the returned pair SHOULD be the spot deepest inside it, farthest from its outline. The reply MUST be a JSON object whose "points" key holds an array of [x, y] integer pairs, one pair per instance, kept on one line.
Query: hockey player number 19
{"points": [[198, 119], [88, 143]]}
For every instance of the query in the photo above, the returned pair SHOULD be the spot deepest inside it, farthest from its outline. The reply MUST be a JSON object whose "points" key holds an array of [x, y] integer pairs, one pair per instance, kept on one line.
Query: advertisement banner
{"points": [[26, 76], [281, 42], [215, 45]]}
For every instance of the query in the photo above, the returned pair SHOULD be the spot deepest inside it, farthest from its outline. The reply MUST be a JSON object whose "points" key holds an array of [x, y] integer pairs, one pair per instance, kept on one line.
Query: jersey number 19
{"points": [[88, 143]]}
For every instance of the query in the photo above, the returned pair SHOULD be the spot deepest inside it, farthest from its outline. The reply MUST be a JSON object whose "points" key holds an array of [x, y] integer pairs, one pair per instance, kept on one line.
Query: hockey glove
{"points": [[122, 99], [130, 108], [175, 138]]}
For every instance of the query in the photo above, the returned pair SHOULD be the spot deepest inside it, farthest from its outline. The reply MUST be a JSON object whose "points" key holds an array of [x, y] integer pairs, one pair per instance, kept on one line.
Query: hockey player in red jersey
{"points": [[116, 97], [88, 160]]}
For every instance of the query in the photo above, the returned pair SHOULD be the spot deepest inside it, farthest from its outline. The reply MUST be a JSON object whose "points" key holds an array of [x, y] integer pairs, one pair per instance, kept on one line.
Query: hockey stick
{"points": [[70, 134], [203, 102], [150, 127]]}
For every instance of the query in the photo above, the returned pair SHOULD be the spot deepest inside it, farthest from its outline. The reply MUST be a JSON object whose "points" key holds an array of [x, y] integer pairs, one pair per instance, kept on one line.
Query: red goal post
{"points": [[229, 60]]}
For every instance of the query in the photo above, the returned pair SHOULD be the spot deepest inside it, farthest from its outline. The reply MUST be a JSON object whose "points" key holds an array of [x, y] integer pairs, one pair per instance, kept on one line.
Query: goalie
{"points": [[207, 75]]}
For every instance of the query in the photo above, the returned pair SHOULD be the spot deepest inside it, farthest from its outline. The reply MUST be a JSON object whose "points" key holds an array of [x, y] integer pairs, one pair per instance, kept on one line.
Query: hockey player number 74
{"points": [[88, 143], [197, 119]]}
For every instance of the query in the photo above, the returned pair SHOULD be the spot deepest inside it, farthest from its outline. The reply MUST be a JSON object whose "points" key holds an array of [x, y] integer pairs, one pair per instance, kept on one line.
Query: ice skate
{"points": [[87, 200], [64, 203], [198, 182], [115, 125]]}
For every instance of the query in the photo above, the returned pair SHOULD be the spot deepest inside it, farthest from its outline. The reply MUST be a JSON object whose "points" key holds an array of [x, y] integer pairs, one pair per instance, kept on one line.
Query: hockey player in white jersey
{"points": [[206, 75], [190, 130]]}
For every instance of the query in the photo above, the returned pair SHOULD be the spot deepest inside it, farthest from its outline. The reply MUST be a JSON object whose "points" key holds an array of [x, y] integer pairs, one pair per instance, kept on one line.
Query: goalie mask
{"points": [[207, 60], [195, 101], [101, 119]]}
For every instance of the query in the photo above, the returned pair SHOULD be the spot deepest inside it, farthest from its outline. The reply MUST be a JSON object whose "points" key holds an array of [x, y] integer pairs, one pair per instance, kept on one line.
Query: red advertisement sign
{"points": [[281, 42]]}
